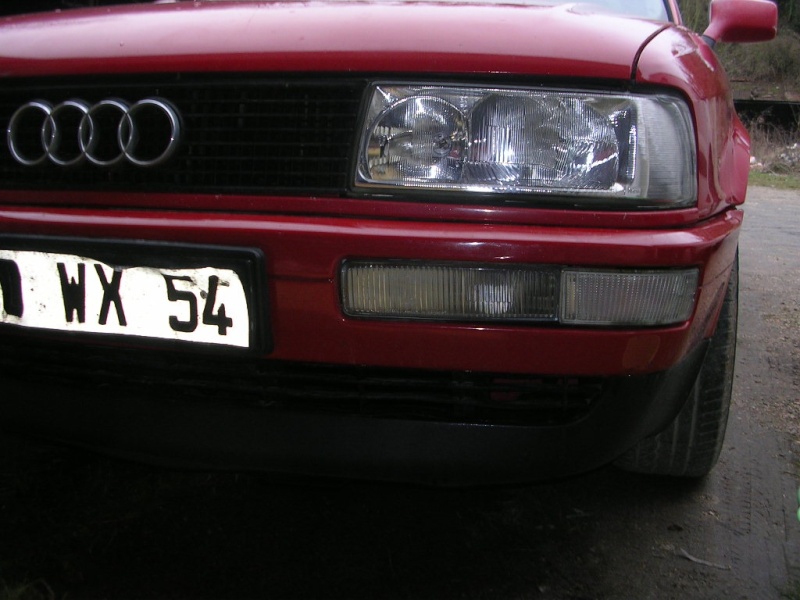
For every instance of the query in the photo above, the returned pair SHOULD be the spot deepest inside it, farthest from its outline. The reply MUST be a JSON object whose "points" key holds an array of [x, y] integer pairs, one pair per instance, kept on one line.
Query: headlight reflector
{"points": [[528, 142], [418, 139], [496, 140]]}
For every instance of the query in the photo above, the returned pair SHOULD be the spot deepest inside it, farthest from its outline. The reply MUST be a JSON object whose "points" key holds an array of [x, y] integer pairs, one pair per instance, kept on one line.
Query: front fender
{"points": [[680, 59]]}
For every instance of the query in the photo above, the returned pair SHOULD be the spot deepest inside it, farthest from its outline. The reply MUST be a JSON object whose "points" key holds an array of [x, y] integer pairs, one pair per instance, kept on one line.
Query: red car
{"points": [[429, 241]]}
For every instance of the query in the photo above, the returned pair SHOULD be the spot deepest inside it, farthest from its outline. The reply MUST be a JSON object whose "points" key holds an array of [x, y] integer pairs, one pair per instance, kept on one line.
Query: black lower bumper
{"points": [[242, 428]]}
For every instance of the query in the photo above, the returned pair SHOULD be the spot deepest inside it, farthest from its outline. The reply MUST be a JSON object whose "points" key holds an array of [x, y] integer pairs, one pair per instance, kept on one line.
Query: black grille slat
{"points": [[271, 385], [242, 135]]}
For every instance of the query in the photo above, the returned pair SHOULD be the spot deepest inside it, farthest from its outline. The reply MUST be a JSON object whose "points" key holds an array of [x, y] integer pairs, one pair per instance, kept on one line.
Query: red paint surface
{"points": [[315, 36], [305, 240], [743, 21], [304, 254]]}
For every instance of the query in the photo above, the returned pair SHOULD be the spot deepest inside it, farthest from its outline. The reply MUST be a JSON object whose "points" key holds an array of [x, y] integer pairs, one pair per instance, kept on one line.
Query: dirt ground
{"points": [[75, 525]]}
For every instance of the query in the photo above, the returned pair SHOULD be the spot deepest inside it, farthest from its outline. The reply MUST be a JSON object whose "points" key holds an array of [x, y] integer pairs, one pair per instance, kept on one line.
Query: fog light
{"points": [[638, 298], [449, 291]]}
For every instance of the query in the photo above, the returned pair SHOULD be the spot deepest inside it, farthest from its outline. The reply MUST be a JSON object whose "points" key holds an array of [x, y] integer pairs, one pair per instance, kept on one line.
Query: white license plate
{"points": [[78, 293]]}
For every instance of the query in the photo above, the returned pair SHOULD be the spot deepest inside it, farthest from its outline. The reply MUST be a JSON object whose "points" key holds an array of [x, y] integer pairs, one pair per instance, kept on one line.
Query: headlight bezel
{"points": [[545, 196]]}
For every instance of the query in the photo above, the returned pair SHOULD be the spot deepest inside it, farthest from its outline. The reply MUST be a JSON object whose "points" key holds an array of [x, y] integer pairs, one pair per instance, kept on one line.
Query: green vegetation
{"points": [[777, 61], [38, 590], [774, 180], [776, 155], [695, 14], [793, 593], [790, 13]]}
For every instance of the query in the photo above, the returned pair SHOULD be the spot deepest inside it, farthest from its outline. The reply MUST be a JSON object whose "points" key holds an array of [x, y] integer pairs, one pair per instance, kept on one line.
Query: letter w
{"points": [[73, 292]]}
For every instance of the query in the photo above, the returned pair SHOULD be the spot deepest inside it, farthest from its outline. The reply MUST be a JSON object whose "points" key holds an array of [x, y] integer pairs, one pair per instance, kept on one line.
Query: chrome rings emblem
{"points": [[107, 133]]}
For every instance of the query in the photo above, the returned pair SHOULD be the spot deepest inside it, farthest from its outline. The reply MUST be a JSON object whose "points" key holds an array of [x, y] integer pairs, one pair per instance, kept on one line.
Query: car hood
{"points": [[400, 37]]}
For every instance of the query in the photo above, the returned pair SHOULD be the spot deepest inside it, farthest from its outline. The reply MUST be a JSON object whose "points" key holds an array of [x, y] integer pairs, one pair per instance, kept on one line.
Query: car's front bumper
{"points": [[370, 432], [303, 257], [640, 377]]}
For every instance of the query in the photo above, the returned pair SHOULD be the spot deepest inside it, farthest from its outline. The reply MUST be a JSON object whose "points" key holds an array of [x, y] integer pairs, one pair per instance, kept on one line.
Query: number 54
{"points": [[218, 319]]}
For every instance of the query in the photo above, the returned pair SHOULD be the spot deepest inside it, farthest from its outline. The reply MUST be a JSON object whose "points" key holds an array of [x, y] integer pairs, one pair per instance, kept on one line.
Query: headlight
{"points": [[638, 148]]}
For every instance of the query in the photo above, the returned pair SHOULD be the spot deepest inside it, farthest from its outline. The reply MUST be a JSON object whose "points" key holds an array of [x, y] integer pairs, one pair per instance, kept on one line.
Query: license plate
{"points": [[159, 292]]}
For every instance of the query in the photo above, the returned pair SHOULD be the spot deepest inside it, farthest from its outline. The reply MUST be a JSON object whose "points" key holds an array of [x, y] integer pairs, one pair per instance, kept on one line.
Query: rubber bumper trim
{"points": [[216, 435]]}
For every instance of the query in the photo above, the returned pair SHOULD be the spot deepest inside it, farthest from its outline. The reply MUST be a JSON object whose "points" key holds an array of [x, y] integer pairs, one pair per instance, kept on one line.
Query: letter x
{"points": [[110, 294]]}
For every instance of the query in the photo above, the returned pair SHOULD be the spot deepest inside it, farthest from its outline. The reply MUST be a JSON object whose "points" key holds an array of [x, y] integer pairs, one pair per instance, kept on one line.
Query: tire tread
{"points": [[691, 444]]}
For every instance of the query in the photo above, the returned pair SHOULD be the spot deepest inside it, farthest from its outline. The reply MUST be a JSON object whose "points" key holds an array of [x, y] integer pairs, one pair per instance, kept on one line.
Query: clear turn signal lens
{"points": [[458, 292], [620, 298], [449, 292]]}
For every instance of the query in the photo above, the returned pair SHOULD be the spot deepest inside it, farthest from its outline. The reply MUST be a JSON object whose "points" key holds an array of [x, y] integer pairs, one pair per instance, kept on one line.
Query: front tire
{"points": [[690, 445]]}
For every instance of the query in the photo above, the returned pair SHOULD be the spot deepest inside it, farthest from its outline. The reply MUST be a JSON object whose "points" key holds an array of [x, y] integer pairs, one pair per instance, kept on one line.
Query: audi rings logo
{"points": [[107, 133]]}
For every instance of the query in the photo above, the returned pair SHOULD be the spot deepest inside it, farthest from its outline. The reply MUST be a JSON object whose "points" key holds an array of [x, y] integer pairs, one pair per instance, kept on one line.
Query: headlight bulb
{"points": [[417, 139]]}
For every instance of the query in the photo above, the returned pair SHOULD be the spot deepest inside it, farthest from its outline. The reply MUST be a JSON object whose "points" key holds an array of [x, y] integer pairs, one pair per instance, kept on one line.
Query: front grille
{"points": [[458, 397], [242, 135]]}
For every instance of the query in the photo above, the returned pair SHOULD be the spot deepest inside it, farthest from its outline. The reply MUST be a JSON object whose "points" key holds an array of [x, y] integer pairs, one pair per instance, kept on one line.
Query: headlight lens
{"points": [[490, 140]]}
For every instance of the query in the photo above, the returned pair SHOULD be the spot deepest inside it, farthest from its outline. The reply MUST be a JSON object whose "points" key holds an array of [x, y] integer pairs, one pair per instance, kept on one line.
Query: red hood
{"points": [[325, 36]]}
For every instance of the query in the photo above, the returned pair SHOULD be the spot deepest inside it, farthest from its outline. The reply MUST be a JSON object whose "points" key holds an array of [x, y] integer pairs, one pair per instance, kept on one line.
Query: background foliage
{"points": [[772, 64]]}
